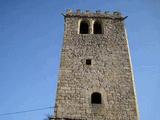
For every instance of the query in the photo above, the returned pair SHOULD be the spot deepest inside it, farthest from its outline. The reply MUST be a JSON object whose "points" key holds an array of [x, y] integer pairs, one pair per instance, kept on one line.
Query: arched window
{"points": [[97, 29], [96, 98], [84, 27]]}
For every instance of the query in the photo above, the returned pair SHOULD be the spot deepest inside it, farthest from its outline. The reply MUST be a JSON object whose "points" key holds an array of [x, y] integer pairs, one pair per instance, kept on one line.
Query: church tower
{"points": [[95, 80]]}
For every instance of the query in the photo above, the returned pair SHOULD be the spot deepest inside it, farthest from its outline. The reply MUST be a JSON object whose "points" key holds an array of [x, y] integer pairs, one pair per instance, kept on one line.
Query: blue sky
{"points": [[31, 36]]}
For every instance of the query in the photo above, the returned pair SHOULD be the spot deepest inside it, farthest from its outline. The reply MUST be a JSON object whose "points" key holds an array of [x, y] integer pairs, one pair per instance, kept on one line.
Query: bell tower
{"points": [[95, 78]]}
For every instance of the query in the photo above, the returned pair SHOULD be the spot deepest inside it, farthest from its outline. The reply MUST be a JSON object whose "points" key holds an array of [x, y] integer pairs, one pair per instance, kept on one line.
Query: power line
{"points": [[25, 111]]}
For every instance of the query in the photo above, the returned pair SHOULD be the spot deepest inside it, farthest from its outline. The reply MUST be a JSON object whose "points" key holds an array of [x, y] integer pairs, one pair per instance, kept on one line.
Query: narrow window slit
{"points": [[88, 62]]}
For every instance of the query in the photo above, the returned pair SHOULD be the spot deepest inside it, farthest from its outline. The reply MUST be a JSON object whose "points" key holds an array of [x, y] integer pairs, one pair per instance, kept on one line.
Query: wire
{"points": [[25, 111]]}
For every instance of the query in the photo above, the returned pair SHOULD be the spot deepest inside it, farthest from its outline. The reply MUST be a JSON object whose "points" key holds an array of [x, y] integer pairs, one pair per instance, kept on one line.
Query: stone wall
{"points": [[110, 72]]}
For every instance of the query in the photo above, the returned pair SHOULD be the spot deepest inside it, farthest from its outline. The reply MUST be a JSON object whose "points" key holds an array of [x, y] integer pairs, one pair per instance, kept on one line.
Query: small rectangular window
{"points": [[88, 61]]}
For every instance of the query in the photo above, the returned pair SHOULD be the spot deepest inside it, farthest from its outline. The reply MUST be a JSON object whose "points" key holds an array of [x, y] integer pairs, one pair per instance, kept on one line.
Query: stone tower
{"points": [[95, 79]]}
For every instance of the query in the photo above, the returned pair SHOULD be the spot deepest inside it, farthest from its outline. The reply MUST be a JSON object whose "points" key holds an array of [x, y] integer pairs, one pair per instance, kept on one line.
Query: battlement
{"points": [[97, 13]]}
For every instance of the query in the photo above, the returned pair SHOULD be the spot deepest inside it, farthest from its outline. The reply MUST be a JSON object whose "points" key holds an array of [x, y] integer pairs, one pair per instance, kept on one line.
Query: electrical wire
{"points": [[25, 111]]}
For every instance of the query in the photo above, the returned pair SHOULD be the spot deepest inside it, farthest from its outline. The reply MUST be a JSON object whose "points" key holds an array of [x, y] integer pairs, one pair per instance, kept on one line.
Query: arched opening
{"points": [[97, 29], [84, 27], [96, 98]]}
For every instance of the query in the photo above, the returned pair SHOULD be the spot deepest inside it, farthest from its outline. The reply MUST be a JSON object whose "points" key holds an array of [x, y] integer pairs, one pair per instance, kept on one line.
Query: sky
{"points": [[31, 37]]}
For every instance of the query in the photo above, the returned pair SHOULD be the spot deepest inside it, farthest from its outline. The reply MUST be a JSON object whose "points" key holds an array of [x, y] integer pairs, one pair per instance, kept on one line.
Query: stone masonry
{"points": [[109, 73]]}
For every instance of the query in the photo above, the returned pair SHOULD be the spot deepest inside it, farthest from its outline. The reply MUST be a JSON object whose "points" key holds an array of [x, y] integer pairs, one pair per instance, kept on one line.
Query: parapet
{"points": [[97, 13]]}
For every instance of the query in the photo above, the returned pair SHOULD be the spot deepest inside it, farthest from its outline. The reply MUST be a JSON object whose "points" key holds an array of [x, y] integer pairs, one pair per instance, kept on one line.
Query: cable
{"points": [[25, 111]]}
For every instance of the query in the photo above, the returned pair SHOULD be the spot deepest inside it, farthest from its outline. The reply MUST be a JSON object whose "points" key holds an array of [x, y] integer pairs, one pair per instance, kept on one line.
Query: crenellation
{"points": [[98, 11], [97, 14], [87, 11]]}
